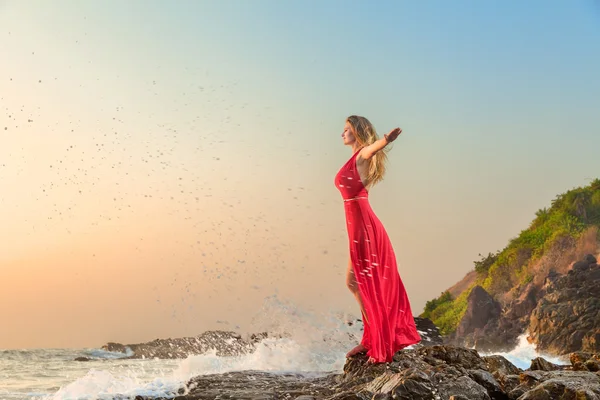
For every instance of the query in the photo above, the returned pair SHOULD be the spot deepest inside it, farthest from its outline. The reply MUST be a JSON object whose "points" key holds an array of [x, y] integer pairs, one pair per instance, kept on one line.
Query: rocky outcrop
{"points": [[430, 334], [223, 342], [481, 308], [227, 343], [542, 385], [425, 373], [561, 317], [585, 361], [567, 317], [484, 326]]}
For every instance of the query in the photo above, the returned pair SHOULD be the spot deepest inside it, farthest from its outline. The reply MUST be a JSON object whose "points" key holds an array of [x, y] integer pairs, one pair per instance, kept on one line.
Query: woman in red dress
{"points": [[372, 274]]}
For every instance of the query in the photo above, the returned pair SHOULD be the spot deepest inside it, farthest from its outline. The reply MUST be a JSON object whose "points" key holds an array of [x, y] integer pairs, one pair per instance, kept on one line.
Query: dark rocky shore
{"points": [[562, 317], [428, 372], [227, 343]]}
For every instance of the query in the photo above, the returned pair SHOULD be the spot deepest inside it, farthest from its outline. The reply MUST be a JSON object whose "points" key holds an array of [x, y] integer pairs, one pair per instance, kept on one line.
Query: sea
{"points": [[312, 349]]}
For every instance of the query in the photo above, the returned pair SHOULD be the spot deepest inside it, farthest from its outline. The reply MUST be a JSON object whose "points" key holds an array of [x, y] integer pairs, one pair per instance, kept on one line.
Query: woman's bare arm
{"points": [[368, 151]]}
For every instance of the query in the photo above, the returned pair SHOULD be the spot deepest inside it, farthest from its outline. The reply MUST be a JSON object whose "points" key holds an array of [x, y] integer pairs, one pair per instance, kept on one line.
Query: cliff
{"points": [[544, 283]]}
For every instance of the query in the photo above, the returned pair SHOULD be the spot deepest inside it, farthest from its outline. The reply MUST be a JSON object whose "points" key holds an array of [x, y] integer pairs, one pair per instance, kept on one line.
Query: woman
{"points": [[372, 274]]}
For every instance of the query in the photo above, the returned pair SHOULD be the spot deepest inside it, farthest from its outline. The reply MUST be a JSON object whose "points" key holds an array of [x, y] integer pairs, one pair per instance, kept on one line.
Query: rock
{"points": [[590, 259], [499, 364], [481, 308], [517, 392], [466, 358], [489, 383], [226, 343], [415, 385], [551, 278], [579, 357], [445, 372], [408, 384], [567, 319], [346, 396], [585, 361], [505, 373], [564, 385], [592, 365], [439, 372], [430, 334], [575, 339], [581, 266], [561, 317], [115, 347], [591, 340], [509, 383], [261, 385], [358, 370], [430, 372], [82, 359], [483, 326], [540, 364], [462, 387], [525, 303]]}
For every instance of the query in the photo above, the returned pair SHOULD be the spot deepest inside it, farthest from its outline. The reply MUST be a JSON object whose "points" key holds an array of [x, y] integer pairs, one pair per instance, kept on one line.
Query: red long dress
{"points": [[389, 324]]}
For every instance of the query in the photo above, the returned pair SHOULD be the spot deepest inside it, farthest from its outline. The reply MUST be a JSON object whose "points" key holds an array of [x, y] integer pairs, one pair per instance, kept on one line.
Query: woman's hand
{"points": [[393, 135]]}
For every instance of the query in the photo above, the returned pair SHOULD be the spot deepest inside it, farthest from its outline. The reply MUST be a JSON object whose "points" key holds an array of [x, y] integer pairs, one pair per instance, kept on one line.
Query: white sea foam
{"points": [[522, 355], [299, 342]]}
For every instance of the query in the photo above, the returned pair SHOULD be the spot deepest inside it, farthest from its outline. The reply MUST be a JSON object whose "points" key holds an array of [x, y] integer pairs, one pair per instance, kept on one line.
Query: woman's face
{"points": [[348, 134]]}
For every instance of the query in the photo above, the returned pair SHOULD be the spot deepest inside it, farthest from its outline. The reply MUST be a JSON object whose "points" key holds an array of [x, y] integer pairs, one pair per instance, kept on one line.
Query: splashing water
{"points": [[522, 355], [298, 341], [100, 384]]}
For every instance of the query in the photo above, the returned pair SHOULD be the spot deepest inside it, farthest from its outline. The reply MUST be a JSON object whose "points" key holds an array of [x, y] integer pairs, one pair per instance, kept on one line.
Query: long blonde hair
{"points": [[365, 134]]}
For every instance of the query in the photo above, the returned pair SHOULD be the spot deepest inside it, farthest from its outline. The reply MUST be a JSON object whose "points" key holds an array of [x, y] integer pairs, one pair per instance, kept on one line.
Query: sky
{"points": [[167, 168]]}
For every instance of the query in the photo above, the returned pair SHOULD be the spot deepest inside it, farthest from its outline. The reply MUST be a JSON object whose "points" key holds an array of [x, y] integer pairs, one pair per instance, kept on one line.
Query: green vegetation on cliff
{"points": [[570, 214]]}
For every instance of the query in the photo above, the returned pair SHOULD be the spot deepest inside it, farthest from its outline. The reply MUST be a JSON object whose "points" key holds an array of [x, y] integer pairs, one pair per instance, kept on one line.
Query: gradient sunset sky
{"points": [[167, 167]]}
